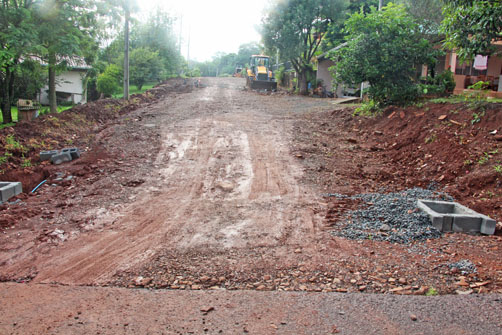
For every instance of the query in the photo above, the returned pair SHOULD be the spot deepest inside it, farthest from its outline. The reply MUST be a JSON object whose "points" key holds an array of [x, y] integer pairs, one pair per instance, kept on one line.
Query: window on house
{"points": [[468, 70], [440, 66]]}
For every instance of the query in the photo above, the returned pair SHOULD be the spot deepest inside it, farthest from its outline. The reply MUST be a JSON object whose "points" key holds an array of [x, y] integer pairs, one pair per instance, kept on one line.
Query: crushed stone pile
{"points": [[465, 266], [392, 217]]}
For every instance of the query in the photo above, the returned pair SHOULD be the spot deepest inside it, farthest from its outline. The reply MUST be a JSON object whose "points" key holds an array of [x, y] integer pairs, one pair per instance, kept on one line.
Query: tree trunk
{"points": [[6, 103], [302, 82], [52, 83]]}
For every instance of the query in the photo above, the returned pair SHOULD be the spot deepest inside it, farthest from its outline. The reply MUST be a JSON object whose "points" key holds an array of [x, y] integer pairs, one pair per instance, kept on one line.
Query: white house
{"points": [[323, 73], [71, 85]]}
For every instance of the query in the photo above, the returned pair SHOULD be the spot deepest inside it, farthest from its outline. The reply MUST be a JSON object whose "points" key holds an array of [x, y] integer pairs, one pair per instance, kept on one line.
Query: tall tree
{"points": [[116, 10], [335, 34], [157, 34], [17, 36], [146, 66], [246, 51], [296, 29], [428, 15], [384, 48], [67, 31], [471, 26]]}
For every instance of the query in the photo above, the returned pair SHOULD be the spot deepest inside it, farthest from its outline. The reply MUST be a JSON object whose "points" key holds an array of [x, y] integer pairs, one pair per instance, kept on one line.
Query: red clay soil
{"points": [[447, 144], [204, 189], [438, 144], [407, 147], [77, 127]]}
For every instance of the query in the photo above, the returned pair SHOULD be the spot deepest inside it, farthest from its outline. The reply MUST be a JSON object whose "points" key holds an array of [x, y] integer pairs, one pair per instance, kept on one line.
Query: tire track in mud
{"points": [[223, 180]]}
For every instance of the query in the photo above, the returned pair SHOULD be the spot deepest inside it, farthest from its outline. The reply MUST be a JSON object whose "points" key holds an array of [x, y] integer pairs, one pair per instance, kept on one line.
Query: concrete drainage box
{"points": [[453, 217], [9, 190]]}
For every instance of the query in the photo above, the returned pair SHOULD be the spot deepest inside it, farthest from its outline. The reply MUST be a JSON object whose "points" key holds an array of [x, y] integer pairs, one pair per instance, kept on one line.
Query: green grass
{"points": [[454, 99], [15, 116], [133, 89], [431, 292]]}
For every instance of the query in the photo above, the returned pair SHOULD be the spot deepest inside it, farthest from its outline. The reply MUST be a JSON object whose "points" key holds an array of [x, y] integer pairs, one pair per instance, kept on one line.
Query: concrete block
{"points": [[453, 217], [9, 190], [61, 158], [488, 226], [46, 155], [437, 222], [74, 152], [447, 224], [466, 224]]}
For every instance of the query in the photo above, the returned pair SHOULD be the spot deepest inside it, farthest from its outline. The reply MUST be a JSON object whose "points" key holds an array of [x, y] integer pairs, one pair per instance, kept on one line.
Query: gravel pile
{"points": [[392, 217], [465, 266]]}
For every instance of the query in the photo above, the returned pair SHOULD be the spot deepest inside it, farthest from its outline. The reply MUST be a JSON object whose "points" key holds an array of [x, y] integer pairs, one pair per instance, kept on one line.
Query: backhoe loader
{"points": [[259, 75]]}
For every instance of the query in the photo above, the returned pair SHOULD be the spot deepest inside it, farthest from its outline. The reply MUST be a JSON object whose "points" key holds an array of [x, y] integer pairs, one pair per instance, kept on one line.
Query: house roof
{"points": [[77, 63], [74, 63], [324, 55]]}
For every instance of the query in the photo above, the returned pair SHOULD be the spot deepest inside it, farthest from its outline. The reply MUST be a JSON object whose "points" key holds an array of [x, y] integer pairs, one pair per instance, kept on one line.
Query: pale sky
{"points": [[214, 25]]}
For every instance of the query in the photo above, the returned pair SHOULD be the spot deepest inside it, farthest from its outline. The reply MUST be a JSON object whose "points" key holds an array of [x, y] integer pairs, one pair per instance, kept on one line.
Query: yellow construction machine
{"points": [[237, 72], [259, 75]]}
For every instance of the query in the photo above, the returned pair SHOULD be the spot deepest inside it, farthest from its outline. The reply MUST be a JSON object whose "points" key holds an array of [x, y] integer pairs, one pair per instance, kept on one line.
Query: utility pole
{"points": [[181, 30], [126, 51], [188, 49], [181, 71]]}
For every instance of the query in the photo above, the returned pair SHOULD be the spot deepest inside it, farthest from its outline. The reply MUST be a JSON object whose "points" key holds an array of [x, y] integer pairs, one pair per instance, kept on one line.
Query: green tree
{"points": [[428, 15], [113, 53], [246, 51], [30, 78], [296, 29], [471, 26], [157, 34], [207, 68], [17, 36], [108, 82], [335, 34], [355, 6], [145, 66], [67, 31], [384, 48], [224, 64]]}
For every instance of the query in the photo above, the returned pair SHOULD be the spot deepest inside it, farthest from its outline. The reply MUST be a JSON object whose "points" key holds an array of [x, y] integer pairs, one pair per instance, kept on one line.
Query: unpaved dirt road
{"points": [[221, 181], [202, 191]]}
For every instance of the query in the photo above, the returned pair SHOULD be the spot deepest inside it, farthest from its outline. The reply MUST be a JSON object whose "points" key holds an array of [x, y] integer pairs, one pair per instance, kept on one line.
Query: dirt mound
{"points": [[449, 145], [445, 147], [452, 145], [76, 127]]}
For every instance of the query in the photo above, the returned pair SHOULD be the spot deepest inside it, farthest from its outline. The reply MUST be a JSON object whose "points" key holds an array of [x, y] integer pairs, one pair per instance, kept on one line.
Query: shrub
{"points": [[480, 85], [371, 108], [279, 76], [383, 48], [443, 84], [108, 82]]}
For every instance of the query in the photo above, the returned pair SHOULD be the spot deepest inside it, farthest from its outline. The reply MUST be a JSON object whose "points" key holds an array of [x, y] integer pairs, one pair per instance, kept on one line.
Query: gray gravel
{"points": [[465, 266], [392, 217], [33, 309]]}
